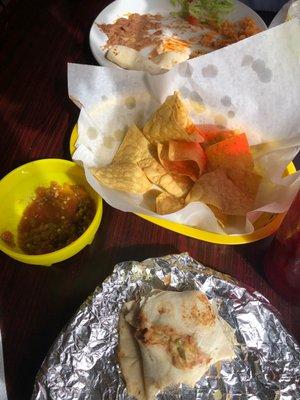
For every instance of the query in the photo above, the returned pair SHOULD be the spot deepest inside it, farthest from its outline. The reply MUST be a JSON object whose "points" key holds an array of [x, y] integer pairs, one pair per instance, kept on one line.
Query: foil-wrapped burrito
{"points": [[84, 361]]}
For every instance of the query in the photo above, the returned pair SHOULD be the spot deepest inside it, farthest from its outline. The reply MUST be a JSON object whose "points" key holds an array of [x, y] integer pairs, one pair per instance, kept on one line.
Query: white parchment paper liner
{"points": [[253, 85]]}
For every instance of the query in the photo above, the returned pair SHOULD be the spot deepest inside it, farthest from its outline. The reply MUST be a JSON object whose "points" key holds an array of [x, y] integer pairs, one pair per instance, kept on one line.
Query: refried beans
{"points": [[140, 31], [137, 31]]}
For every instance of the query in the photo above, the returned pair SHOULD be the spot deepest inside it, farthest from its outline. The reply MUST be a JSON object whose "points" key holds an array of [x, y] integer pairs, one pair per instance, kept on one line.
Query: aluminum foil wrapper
{"points": [[82, 363]]}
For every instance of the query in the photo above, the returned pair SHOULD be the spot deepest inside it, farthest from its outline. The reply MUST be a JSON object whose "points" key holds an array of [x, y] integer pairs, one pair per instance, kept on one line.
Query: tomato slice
{"points": [[192, 20]]}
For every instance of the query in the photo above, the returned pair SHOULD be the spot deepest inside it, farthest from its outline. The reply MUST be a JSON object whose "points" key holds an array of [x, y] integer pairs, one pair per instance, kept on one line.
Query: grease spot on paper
{"points": [[226, 101], [184, 91], [108, 141], [196, 97], [91, 133], [258, 66], [197, 107], [220, 120], [264, 74], [210, 71], [119, 134], [130, 102], [185, 70], [189, 71], [247, 60]]}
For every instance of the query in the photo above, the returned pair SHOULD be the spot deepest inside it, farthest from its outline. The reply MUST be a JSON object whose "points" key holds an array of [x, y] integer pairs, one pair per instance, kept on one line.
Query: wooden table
{"points": [[37, 117]]}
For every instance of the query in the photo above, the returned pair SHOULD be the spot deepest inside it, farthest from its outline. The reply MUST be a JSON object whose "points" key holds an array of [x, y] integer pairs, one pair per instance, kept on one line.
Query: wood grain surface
{"points": [[38, 39]]}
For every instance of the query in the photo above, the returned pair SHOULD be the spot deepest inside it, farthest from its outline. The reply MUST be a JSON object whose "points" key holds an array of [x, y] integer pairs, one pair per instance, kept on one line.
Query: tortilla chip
{"points": [[188, 151], [232, 153], [187, 168], [216, 189], [168, 122], [149, 199], [176, 185], [135, 147], [220, 216], [167, 204], [209, 134], [153, 170], [247, 181], [126, 176]]}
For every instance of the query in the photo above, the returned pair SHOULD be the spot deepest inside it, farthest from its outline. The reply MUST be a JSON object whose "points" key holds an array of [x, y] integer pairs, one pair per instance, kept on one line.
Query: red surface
{"points": [[281, 263], [36, 119]]}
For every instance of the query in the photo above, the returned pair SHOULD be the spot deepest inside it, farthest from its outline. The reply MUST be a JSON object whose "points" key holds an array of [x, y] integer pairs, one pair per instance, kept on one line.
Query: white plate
{"points": [[281, 15], [120, 8]]}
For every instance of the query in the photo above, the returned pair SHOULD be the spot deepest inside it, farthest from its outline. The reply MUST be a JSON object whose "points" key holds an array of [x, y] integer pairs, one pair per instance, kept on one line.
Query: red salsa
{"points": [[57, 216]]}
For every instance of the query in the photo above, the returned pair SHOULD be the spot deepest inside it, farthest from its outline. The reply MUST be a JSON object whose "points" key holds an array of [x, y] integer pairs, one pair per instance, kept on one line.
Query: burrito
{"points": [[170, 338]]}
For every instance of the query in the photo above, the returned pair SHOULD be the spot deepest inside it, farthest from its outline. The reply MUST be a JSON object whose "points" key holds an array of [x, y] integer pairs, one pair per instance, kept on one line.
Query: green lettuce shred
{"points": [[205, 10]]}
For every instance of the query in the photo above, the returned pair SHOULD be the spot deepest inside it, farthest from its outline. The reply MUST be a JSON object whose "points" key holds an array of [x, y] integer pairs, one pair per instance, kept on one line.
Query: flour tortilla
{"points": [[131, 59], [126, 57], [180, 335], [130, 360], [169, 59]]}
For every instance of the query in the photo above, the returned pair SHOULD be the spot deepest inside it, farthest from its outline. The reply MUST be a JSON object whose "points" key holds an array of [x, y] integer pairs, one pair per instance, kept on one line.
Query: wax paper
{"points": [[252, 85]]}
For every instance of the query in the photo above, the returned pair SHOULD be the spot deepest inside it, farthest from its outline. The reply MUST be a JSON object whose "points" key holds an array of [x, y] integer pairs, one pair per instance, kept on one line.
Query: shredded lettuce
{"points": [[205, 10], [184, 4]]}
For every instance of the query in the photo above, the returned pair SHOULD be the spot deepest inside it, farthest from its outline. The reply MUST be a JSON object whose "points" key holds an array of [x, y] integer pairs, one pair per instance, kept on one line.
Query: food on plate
{"points": [[170, 44], [136, 31], [179, 162], [170, 338], [128, 58], [156, 43], [204, 10], [293, 10], [168, 59], [57, 216]]}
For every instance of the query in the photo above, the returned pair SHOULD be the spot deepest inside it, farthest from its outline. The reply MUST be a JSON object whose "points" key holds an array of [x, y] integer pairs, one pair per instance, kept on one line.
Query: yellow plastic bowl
{"points": [[17, 190], [266, 224]]}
